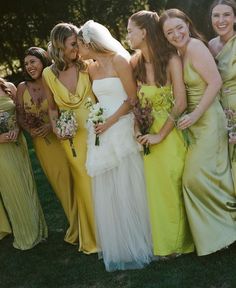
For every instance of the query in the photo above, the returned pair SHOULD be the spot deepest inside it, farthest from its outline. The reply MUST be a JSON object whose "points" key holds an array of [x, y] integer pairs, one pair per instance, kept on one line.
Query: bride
{"points": [[115, 166]]}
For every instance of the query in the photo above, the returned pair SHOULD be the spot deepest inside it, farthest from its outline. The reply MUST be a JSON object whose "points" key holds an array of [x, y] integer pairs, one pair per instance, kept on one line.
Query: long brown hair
{"points": [[176, 13], [158, 55]]}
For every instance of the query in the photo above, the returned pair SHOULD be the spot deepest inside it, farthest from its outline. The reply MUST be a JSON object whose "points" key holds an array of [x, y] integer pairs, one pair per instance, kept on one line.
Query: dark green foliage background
{"points": [[26, 23]]}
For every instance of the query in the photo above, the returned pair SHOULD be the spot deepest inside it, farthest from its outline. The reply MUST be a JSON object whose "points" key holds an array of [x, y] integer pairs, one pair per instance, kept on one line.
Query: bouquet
{"points": [[7, 122], [33, 120], [143, 115], [231, 127], [95, 116], [67, 126]]}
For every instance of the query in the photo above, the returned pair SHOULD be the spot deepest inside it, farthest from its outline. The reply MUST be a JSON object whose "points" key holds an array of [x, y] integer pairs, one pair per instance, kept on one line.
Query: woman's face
{"points": [[84, 50], [71, 48], [223, 18], [135, 35], [176, 32], [33, 66]]}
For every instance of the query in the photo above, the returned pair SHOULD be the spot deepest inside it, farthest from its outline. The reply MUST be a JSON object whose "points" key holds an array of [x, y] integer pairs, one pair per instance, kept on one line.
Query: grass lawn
{"points": [[57, 264]]}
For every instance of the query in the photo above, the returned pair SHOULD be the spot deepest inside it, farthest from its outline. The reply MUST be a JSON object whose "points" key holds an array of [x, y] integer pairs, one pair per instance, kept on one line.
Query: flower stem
{"points": [[72, 147], [97, 141]]}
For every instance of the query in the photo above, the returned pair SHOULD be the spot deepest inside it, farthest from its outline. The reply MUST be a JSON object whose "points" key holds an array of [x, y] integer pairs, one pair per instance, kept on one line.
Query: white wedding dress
{"points": [[121, 213]]}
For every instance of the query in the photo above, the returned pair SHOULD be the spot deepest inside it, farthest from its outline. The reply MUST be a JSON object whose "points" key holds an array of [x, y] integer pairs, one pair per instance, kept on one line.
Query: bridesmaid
{"points": [[31, 99], [159, 76], [223, 48], [207, 182], [18, 193], [68, 86]]}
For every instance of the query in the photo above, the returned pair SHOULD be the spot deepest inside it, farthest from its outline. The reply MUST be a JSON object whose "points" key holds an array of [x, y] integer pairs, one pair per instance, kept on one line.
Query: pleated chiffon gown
{"points": [[18, 190]]}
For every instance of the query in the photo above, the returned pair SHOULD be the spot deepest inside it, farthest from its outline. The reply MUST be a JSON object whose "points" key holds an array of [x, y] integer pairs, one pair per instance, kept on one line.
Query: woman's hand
{"points": [[101, 127], [187, 120], [232, 138], [10, 136], [149, 139], [42, 131]]}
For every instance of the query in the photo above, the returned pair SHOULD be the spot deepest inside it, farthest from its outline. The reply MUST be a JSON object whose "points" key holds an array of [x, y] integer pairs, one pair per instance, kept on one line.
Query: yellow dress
{"points": [[56, 167], [18, 191], [226, 62], [207, 181], [81, 181], [163, 172]]}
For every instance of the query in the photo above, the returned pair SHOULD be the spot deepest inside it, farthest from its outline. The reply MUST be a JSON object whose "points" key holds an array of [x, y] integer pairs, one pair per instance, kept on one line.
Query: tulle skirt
{"points": [[121, 213]]}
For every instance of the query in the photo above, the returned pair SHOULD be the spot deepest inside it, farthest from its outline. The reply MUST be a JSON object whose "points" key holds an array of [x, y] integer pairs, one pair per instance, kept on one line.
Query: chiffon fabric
{"points": [[66, 100], [226, 62], [163, 172], [18, 192], [122, 219], [207, 181], [55, 165]]}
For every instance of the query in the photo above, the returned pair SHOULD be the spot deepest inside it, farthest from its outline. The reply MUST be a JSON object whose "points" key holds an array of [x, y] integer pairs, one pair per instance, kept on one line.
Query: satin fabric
{"points": [[55, 165], [226, 62], [18, 191], [81, 181], [207, 181], [163, 173]]}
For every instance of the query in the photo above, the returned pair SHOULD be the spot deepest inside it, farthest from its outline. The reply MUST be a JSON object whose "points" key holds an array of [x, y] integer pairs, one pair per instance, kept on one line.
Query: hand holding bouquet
{"points": [[95, 116], [8, 125], [143, 115], [67, 126]]}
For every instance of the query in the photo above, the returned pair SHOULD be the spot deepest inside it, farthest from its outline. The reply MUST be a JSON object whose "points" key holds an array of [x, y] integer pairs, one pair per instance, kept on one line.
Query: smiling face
{"points": [[223, 18], [70, 48], [135, 35], [176, 32], [33, 66]]}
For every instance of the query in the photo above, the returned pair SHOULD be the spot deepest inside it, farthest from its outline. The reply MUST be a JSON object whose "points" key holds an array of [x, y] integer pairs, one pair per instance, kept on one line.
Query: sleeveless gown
{"points": [[207, 181], [18, 193], [118, 186], [226, 62], [163, 172], [55, 166], [81, 181]]}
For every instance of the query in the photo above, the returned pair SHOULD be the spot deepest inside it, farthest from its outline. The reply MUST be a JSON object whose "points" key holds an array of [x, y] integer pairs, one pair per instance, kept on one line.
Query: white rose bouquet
{"points": [[95, 116]]}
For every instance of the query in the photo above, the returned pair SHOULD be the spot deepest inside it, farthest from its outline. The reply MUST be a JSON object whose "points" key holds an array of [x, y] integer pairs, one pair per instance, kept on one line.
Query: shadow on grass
{"points": [[56, 264]]}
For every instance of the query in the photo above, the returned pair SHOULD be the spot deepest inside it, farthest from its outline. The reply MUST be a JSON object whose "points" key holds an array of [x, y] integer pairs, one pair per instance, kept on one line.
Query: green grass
{"points": [[57, 264]]}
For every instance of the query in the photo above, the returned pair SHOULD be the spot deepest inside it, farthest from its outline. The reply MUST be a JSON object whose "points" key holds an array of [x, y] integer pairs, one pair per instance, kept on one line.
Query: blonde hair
{"points": [[56, 47]]}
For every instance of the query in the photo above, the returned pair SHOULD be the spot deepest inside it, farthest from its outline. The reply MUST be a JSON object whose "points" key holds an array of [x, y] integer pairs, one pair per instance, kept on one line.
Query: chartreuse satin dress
{"points": [[55, 165], [18, 193], [226, 62], [207, 181], [163, 171], [65, 100]]}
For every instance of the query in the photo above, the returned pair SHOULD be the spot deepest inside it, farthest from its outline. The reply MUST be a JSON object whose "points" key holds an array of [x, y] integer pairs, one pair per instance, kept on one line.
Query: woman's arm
{"points": [[204, 64], [175, 73], [124, 72]]}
